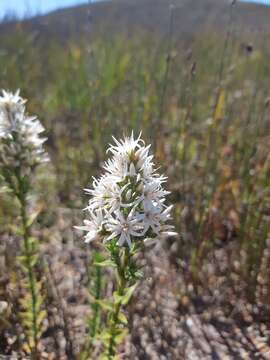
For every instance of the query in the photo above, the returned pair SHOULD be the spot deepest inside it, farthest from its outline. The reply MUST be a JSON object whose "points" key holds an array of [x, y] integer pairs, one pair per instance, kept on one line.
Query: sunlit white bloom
{"points": [[126, 146], [11, 111], [131, 195], [130, 158], [98, 193], [121, 168], [154, 217], [123, 228], [21, 142], [148, 170], [152, 192], [116, 198], [107, 194], [93, 226]]}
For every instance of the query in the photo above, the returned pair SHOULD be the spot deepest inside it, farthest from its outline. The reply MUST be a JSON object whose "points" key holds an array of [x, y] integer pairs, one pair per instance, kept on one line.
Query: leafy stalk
{"points": [[32, 315], [121, 285], [95, 289], [127, 275], [20, 152]]}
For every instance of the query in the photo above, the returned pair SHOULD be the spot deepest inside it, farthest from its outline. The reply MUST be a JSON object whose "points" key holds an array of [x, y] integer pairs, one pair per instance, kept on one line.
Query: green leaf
{"points": [[117, 297], [104, 337], [120, 336], [33, 242], [4, 189], [98, 257], [105, 304], [105, 263], [33, 217], [16, 230], [122, 318], [41, 316], [128, 293], [40, 299], [33, 260], [103, 357], [124, 299]]}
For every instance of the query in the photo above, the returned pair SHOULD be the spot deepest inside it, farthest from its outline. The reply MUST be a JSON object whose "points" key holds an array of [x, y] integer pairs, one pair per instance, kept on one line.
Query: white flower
{"points": [[131, 194], [153, 192], [126, 146], [93, 226], [108, 194], [117, 167], [155, 217], [115, 197], [130, 159], [20, 140], [11, 112], [124, 228], [98, 193]]}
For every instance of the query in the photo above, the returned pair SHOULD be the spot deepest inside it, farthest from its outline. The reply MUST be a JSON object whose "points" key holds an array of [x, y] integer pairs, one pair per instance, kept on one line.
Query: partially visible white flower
{"points": [[167, 231], [11, 112], [154, 217], [117, 167], [21, 143], [130, 159], [108, 194], [93, 226], [115, 198], [152, 192], [126, 146], [98, 193]]}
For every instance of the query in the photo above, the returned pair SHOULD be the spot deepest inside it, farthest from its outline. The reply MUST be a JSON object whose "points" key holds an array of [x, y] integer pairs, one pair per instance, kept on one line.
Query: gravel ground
{"points": [[169, 318]]}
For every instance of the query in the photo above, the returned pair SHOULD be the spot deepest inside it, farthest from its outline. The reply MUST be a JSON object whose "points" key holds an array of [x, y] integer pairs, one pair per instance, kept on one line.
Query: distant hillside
{"points": [[112, 16]]}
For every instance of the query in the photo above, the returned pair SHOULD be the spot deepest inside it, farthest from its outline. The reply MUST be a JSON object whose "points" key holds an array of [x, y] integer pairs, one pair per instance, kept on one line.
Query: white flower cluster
{"points": [[128, 202], [20, 140]]}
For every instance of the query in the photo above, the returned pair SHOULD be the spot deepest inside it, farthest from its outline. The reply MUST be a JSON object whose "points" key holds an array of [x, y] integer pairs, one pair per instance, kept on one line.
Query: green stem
{"points": [[121, 285], [96, 306], [30, 272], [95, 320]]}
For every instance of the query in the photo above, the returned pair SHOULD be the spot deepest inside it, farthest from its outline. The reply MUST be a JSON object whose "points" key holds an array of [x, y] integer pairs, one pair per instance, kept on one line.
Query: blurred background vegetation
{"points": [[194, 76]]}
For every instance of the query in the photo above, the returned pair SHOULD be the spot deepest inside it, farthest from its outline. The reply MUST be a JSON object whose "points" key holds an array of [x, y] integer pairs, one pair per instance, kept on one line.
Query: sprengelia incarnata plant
{"points": [[126, 211]]}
